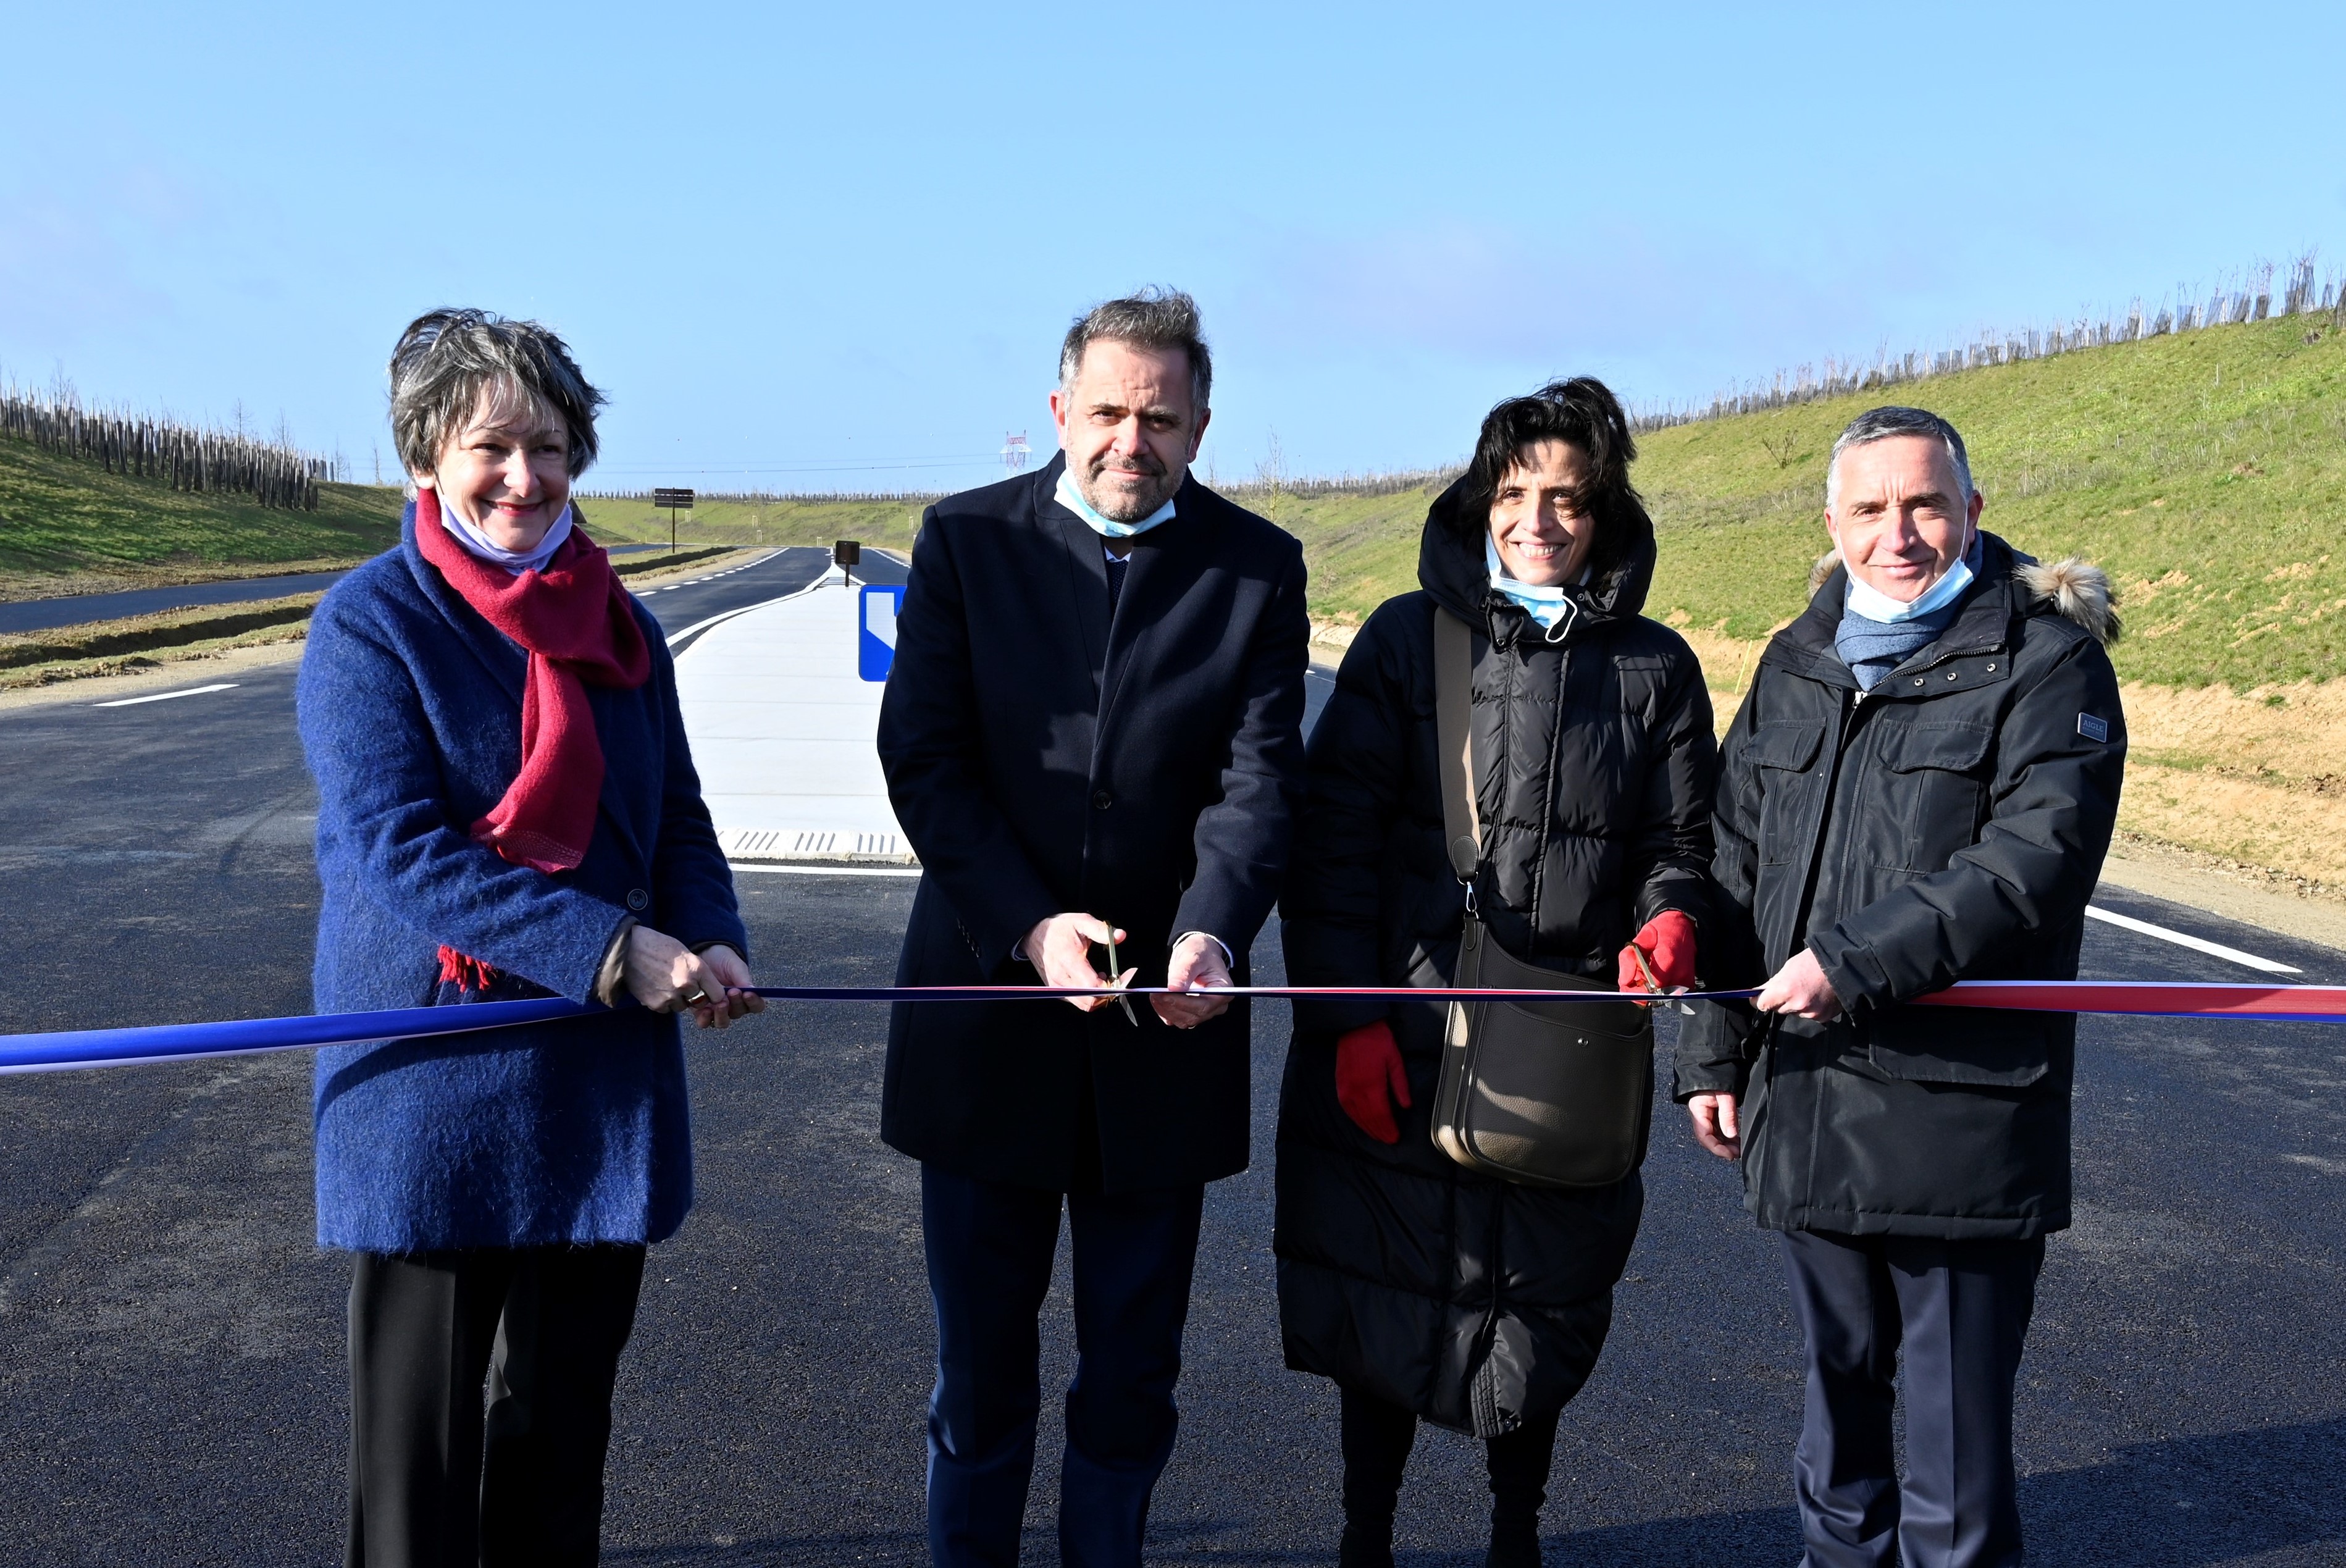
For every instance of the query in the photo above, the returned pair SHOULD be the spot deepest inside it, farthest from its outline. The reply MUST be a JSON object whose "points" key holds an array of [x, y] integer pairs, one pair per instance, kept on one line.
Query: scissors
{"points": [[1116, 969], [1651, 984]]}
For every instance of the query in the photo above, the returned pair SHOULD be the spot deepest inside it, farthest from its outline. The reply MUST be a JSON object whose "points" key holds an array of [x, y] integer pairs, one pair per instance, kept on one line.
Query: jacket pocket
{"points": [[1932, 783], [1961, 1046], [1783, 754]]}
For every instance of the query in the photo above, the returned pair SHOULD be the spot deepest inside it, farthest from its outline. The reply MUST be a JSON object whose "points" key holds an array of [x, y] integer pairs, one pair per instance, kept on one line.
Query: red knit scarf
{"points": [[575, 620]]}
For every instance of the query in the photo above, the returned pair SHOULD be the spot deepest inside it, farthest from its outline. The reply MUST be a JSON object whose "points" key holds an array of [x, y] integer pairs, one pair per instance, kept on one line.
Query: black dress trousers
{"points": [[441, 1478]]}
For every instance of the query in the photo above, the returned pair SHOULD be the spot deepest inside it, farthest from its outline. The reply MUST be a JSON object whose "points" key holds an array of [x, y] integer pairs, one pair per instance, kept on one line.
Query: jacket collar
{"points": [[1985, 621], [507, 661], [1162, 562]]}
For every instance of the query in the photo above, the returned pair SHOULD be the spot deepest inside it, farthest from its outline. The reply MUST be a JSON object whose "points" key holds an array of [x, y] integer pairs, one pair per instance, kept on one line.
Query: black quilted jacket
{"points": [[1949, 825], [1475, 1303]]}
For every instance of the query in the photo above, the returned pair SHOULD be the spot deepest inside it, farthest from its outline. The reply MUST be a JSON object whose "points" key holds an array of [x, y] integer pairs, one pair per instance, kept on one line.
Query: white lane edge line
{"points": [[2184, 939], [167, 696], [699, 627], [826, 870]]}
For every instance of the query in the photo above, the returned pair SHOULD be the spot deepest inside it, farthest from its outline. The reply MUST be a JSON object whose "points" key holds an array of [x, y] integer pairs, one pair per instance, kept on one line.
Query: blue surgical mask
{"points": [[1068, 497], [1876, 605], [1548, 607]]}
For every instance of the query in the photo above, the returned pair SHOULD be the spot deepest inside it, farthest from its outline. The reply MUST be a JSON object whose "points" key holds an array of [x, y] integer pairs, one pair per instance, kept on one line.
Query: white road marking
{"points": [[699, 627], [167, 696], [2197, 944], [829, 871]]}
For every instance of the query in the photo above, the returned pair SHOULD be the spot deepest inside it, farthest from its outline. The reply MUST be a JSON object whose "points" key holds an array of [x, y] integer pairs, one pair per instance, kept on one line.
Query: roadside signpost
{"points": [[847, 554], [675, 501], [875, 633]]}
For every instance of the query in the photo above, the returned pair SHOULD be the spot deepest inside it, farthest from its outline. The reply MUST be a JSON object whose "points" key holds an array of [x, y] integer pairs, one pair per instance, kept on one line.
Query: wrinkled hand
{"points": [[1197, 963], [1717, 1126], [1800, 989], [1060, 949], [666, 976], [1368, 1068], [1667, 942]]}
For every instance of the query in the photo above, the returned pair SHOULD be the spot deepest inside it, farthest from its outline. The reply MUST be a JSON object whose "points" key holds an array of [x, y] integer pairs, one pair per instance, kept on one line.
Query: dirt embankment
{"points": [[2250, 785]]}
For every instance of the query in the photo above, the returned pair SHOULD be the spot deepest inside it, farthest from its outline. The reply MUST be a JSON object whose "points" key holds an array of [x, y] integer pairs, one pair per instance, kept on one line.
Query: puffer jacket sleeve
{"points": [[1711, 1056], [2054, 805], [385, 822], [1357, 763], [1672, 859]]}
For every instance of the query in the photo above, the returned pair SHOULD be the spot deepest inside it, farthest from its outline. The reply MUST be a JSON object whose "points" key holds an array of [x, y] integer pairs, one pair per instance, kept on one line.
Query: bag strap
{"points": [[1453, 730]]}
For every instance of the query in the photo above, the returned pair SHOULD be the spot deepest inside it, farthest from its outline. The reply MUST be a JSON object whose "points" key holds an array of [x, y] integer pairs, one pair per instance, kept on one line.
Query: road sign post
{"points": [[847, 554], [675, 501], [875, 628]]}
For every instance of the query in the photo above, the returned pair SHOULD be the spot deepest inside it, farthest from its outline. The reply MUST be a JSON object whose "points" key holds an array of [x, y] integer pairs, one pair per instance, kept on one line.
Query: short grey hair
{"points": [[1152, 318], [447, 361], [1880, 424]]}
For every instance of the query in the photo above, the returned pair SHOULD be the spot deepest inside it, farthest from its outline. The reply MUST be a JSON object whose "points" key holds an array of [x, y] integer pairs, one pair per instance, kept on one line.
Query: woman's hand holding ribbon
{"points": [[666, 976]]}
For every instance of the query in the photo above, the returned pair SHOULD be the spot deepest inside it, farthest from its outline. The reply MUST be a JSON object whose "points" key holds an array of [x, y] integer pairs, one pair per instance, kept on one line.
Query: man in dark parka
{"points": [[1919, 789], [1095, 716]]}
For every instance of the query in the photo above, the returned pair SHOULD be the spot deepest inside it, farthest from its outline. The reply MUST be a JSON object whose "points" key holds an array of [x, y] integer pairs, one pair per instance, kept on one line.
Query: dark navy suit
{"points": [[1051, 748]]}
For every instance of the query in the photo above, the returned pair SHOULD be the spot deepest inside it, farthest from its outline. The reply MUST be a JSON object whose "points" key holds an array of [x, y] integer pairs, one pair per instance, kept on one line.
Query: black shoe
{"points": [[1514, 1544], [1364, 1547]]}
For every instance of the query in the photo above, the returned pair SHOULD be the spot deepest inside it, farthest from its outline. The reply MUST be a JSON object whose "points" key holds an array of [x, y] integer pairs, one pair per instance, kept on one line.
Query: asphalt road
{"points": [[45, 614], [170, 1340]]}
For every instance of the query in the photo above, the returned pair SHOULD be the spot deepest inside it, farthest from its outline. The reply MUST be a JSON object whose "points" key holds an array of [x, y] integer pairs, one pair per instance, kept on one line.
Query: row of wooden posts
{"points": [[183, 456], [2301, 296]]}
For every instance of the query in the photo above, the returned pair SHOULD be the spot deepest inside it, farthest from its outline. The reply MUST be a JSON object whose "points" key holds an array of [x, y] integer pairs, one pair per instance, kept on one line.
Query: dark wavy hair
{"points": [[1583, 412]]}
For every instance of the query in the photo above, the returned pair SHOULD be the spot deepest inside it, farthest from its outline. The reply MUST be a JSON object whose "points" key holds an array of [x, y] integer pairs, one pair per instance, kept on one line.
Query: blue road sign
{"points": [[875, 636]]}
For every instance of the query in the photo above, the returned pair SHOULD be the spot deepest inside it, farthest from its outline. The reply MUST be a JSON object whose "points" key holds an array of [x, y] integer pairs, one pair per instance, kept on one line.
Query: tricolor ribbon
{"points": [[243, 1037]]}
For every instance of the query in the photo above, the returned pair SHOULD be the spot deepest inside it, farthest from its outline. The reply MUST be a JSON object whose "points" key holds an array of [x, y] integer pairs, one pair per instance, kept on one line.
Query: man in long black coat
{"points": [[1092, 728], [1919, 789]]}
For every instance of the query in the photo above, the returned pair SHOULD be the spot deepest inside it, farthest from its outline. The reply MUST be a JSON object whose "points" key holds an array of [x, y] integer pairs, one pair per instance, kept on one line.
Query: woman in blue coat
{"points": [[507, 808]]}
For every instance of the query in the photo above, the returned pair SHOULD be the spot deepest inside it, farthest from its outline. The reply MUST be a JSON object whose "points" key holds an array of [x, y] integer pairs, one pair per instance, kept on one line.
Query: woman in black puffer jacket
{"points": [[1421, 1289]]}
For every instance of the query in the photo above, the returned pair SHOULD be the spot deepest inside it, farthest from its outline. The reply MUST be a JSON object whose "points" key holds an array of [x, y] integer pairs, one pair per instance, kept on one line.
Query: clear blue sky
{"points": [[834, 247]]}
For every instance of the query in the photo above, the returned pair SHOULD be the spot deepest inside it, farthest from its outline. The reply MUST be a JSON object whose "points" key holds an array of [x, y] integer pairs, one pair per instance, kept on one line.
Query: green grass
{"points": [[797, 520], [2207, 473], [64, 516]]}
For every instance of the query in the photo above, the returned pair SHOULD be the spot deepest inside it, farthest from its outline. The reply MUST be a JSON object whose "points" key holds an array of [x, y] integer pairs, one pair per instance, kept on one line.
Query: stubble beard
{"points": [[1118, 504]]}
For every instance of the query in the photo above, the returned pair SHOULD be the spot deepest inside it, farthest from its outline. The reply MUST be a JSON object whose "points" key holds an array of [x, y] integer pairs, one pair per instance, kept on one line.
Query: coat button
{"points": [[639, 900], [1102, 799], [1951, 675], [1918, 680]]}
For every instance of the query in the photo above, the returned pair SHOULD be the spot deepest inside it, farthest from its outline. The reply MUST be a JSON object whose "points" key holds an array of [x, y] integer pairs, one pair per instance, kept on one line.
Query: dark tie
{"points": [[1116, 566]]}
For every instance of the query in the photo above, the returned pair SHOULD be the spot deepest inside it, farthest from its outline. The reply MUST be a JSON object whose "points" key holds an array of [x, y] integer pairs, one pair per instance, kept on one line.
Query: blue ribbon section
{"points": [[245, 1037]]}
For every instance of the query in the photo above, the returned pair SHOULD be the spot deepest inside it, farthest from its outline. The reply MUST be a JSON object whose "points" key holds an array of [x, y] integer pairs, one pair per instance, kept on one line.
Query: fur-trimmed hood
{"points": [[2075, 589]]}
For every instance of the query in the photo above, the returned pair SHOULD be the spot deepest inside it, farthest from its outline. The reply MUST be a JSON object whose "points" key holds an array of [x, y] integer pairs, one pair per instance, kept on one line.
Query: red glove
{"points": [[1667, 942], [1367, 1064]]}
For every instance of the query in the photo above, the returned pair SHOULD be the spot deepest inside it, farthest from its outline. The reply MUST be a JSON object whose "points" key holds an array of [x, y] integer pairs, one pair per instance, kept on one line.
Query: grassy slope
{"points": [[62, 515], [2205, 472]]}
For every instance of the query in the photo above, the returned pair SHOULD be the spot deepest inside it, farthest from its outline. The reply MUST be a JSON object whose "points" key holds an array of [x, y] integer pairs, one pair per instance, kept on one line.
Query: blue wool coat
{"points": [[572, 1132]]}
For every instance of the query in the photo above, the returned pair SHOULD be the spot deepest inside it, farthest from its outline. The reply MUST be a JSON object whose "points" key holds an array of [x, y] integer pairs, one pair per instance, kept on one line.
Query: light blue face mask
{"points": [[1548, 607], [488, 549], [1068, 497], [1876, 605]]}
